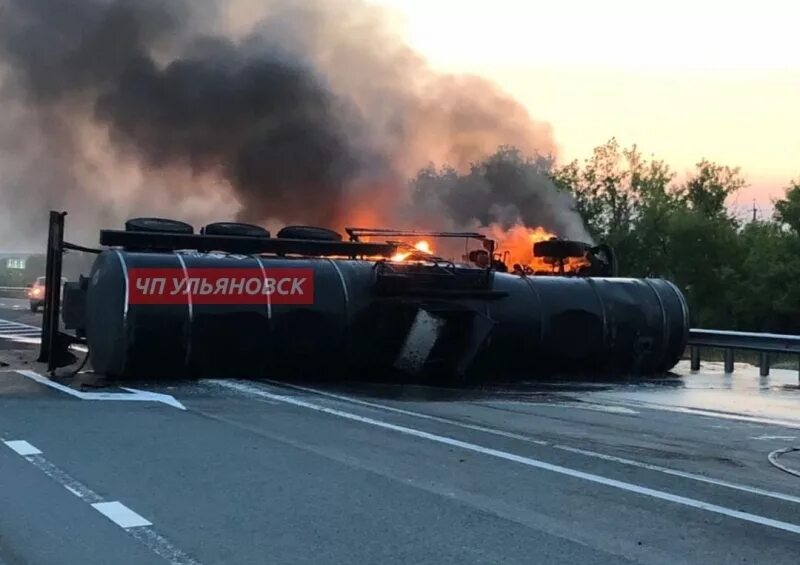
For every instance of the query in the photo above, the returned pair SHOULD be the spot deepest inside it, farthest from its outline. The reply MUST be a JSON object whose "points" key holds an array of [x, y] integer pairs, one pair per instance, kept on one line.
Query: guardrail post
{"points": [[52, 288], [695, 356], [729, 361], [763, 363]]}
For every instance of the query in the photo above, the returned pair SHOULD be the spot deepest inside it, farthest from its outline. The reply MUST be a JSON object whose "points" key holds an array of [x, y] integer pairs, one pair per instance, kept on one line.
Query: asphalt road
{"points": [[664, 471]]}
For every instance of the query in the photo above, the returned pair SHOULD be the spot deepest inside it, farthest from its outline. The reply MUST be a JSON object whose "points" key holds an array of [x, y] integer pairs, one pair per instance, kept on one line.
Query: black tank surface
{"points": [[195, 314]]}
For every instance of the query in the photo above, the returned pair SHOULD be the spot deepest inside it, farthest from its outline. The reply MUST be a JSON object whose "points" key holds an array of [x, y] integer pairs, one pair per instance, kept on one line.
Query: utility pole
{"points": [[755, 210]]}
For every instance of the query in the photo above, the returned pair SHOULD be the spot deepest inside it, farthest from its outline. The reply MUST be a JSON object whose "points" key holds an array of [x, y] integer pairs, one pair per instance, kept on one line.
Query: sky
{"points": [[683, 80]]}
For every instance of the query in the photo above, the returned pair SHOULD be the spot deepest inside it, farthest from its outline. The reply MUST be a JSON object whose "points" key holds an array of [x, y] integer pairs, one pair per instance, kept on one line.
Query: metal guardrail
{"points": [[13, 292], [763, 343]]}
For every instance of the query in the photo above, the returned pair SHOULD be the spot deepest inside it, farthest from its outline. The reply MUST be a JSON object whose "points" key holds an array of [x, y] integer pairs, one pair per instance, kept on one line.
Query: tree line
{"points": [[736, 274]]}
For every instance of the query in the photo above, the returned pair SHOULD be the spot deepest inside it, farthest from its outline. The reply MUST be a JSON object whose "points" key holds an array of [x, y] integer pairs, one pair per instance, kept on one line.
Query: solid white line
{"points": [[594, 454], [709, 413], [22, 447], [17, 339], [132, 394], [52, 384], [383, 407], [683, 474], [18, 324], [773, 458], [530, 462], [121, 515]]}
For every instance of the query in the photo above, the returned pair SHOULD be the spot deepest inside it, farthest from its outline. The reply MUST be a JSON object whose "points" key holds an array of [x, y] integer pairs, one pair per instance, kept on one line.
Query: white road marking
{"points": [[132, 394], [527, 461], [420, 415], [529, 439], [64, 479], [683, 474], [32, 340], [773, 458], [22, 447], [709, 413], [134, 524], [73, 491], [787, 438], [590, 406], [25, 333], [161, 546], [17, 325], [121, 515]]}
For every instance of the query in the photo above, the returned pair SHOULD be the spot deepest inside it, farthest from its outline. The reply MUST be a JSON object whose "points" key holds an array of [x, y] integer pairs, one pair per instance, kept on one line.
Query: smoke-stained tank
{"points": [[205, 314]]}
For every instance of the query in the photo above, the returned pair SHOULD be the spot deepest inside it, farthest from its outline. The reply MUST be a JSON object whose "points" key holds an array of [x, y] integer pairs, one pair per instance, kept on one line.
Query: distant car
{"points": [[36, 293]]}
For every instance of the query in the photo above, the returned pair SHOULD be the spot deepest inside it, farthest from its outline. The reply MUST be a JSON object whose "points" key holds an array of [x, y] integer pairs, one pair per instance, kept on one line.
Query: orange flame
{"points": [[515, 247], [421, 246]]}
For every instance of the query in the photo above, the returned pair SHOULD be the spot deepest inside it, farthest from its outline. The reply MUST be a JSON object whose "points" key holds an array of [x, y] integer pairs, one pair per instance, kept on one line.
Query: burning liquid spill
{"points": [[514, 248]]}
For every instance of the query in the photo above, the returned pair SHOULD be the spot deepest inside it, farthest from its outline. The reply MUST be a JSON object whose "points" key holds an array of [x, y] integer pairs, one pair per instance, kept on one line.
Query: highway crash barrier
{"points": [[209, 305]]}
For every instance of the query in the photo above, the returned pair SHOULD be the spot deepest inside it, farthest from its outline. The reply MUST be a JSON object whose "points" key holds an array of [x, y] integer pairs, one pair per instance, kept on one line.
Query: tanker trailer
{"points": [[236, 302]]}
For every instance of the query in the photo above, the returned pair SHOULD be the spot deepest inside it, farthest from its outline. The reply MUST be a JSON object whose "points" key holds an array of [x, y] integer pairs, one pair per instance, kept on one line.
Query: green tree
{"points": [[787, 210], [707, 191], [701, 259], [625, 200], [767, 296]]}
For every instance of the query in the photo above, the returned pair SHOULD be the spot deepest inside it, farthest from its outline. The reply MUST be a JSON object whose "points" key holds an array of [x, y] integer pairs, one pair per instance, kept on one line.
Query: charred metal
{"points": [[232, 301]]}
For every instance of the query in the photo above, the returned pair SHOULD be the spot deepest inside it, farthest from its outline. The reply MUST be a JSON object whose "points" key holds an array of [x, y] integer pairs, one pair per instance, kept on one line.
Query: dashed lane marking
{"points": [[134, 524], [121, 515], [22, 447]]}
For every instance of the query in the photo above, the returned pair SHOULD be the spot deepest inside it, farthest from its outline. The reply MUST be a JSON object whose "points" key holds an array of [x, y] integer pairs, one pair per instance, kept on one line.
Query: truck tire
{"points": [[234, 228], [158, 225], [309, 232], [560, 248]]}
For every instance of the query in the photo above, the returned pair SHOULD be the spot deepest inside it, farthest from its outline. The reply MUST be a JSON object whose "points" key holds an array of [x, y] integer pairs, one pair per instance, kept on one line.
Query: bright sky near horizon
{"points": [[682, 79]]}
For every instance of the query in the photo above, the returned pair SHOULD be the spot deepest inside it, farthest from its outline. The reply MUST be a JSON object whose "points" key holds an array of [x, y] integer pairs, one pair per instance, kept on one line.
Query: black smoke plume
{"points": [[273, 112]]}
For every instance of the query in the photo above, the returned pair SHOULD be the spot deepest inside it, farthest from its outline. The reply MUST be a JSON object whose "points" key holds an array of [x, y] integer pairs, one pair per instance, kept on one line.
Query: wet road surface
{"points": [[672, 470]]}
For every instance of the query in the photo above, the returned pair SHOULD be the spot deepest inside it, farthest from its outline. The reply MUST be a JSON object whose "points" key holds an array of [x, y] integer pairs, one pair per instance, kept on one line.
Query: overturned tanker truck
{"points": [[234, 301]]}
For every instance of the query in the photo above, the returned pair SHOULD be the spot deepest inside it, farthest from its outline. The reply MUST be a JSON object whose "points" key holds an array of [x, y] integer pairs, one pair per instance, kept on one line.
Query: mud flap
{"points": [[421, 338], [456, 336]]}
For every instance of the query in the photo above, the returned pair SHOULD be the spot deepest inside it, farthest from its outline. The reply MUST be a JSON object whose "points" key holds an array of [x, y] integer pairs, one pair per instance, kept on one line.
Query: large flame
{"points": [[515, 247], [421, 246]]}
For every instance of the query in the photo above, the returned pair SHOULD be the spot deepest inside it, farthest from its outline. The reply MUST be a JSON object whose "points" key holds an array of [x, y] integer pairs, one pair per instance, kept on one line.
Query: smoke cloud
{"points": [[271, 112]]}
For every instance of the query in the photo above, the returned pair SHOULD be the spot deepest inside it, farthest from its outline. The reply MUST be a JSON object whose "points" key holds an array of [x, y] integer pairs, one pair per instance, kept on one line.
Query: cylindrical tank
{"points": [[322, 316]]}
